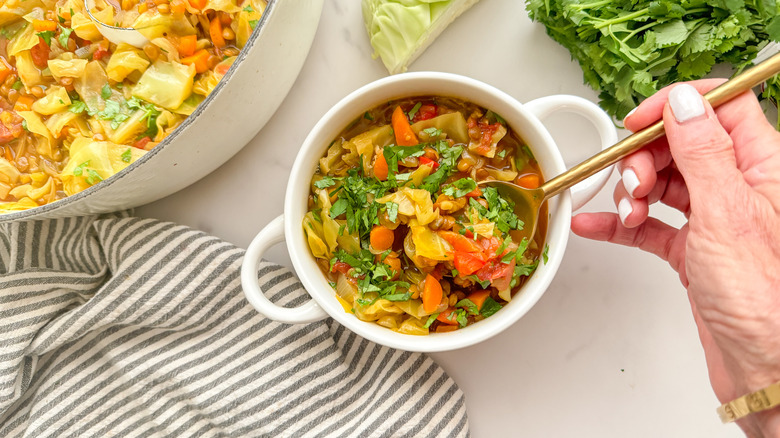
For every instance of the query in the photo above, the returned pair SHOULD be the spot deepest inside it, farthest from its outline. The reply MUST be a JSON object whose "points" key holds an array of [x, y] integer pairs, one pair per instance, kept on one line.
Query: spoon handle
{"points": [[717, 96]]}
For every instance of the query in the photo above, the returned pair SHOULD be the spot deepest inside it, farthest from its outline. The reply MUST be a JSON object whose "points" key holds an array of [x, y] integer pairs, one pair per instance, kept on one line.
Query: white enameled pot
{"points": [[231, 115], [523, 118]]}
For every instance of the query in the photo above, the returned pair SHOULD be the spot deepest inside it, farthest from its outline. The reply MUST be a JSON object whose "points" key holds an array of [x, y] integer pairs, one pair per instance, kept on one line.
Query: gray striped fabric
{"points": [[120, 326]]}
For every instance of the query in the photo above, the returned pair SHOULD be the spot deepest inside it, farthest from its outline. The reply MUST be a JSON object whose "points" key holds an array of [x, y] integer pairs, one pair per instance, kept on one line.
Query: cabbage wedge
{"points": [[400, 30]]}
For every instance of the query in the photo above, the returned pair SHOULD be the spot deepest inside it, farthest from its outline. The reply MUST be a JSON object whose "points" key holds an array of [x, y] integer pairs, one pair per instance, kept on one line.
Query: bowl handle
{"points": [[543, 107], [269, 236]]}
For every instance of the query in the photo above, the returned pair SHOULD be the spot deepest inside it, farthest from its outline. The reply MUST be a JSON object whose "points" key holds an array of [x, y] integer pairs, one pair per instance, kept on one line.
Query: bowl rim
{"points": [[33, 213], [314, 147]]}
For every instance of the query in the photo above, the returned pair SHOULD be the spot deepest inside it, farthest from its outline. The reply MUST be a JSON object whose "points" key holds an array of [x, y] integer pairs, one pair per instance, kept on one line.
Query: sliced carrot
{"points": [[476, 193], [479, 297], [215, 31], [187, 45], [199, 4], [445, 316], [382, 238], [432, 294], [178, 7], [404, 136], [200, 59], [529, 181], [44, 25], [380, 168], [24, 103]]}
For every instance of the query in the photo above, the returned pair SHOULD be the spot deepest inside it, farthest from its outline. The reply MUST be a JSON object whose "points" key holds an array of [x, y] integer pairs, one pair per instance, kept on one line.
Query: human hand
{"points": [[722, 170]]}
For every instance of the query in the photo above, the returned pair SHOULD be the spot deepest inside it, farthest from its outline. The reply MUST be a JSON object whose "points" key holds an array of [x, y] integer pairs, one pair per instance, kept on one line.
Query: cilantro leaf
{"points": [[460, 187], [489, 307], [325, 182], [64, 35], [127, 155], [77, 107], [431, 319], [79, 170], [414, 110], [105, 92], [47, 36]]}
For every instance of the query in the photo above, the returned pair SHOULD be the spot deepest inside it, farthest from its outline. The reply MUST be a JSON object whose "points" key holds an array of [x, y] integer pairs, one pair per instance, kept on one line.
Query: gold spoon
{"points": [[529, 201]]}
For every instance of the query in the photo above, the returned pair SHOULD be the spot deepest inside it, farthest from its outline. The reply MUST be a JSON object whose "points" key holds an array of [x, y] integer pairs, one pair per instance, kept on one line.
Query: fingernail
{"points": [[630, 181], [630, 112], [686, 103], [624, 209]]}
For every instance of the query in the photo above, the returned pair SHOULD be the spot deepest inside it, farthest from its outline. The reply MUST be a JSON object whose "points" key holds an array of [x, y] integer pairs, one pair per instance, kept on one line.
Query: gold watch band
{"points": [[758, 401]]}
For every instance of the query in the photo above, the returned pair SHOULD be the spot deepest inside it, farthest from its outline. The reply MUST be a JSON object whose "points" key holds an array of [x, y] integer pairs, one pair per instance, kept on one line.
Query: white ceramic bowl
{"points": [[231, 115], [523, 118]]}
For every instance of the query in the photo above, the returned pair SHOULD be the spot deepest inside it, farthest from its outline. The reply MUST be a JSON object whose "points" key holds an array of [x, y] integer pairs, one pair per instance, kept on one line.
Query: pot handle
{"points": [[543, 107], [269, 236]]}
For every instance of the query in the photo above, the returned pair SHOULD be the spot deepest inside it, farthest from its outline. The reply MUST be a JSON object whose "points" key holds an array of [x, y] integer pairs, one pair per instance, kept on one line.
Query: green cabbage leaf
{"points": [[400, 30]]}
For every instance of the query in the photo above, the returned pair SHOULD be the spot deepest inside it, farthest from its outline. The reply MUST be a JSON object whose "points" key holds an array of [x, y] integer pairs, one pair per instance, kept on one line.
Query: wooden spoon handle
{"points": [[717, 96]]}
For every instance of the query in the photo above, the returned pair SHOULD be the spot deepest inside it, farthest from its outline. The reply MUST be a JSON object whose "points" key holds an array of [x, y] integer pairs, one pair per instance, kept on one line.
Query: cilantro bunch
{"points": [[629, 49]]}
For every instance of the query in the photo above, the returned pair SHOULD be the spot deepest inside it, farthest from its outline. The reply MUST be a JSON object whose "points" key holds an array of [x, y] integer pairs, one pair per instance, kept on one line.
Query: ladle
{"points": [[529, 201]]}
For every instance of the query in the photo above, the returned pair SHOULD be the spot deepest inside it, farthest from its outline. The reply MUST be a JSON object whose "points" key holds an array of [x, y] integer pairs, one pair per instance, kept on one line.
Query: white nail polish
{"points": [[624, 209], [630, 181], [686, 102], [630, 112]]}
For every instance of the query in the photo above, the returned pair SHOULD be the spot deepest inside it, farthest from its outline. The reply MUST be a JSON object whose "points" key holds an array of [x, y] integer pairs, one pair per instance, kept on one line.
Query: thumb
{"points": [[702, 149]]}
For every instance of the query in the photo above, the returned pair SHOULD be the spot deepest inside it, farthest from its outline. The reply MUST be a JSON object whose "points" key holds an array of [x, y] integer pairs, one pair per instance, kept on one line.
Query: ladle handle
{"points": [[717, 96]]}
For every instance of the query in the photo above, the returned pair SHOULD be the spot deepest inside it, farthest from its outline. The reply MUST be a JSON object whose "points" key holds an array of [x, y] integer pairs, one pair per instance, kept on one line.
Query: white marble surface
{"points": [[609, 351]]}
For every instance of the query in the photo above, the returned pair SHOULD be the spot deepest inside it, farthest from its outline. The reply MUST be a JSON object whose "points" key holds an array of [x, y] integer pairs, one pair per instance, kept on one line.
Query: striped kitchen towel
{"points": [[120, 326]]}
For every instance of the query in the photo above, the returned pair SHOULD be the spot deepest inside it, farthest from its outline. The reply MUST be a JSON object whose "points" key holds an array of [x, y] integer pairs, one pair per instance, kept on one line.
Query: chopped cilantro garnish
{"points": [[394, 154], [17, 85], [414, 110], [368, 116], [105, 92], [93, 177], [77, 107], [79, 170], [325, 182], [460, 187], [127, 155], [64, 36], [431, 319], [493, 117], [544, 253], [248, 9], [484, 284], [253, 23], [47, 36], [432, 131], [500, 210], [24, 125], [489, 307], [469, 306], [392, 211], [502, 153]]}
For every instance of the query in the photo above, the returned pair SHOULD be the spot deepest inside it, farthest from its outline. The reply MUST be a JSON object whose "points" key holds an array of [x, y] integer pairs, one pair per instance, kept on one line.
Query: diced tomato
{"points": [[444, 317], [100, 53], [425, 161], [340, 267], [141, 143], [502, 275], [460, 242], [468, 263], [476, 193], [40, 53], [495, 269], [490, 246], [426, 112]]}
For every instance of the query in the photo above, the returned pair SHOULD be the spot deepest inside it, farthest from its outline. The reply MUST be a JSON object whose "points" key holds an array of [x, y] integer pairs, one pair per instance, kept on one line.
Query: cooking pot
{"points": [[242, 102]]}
